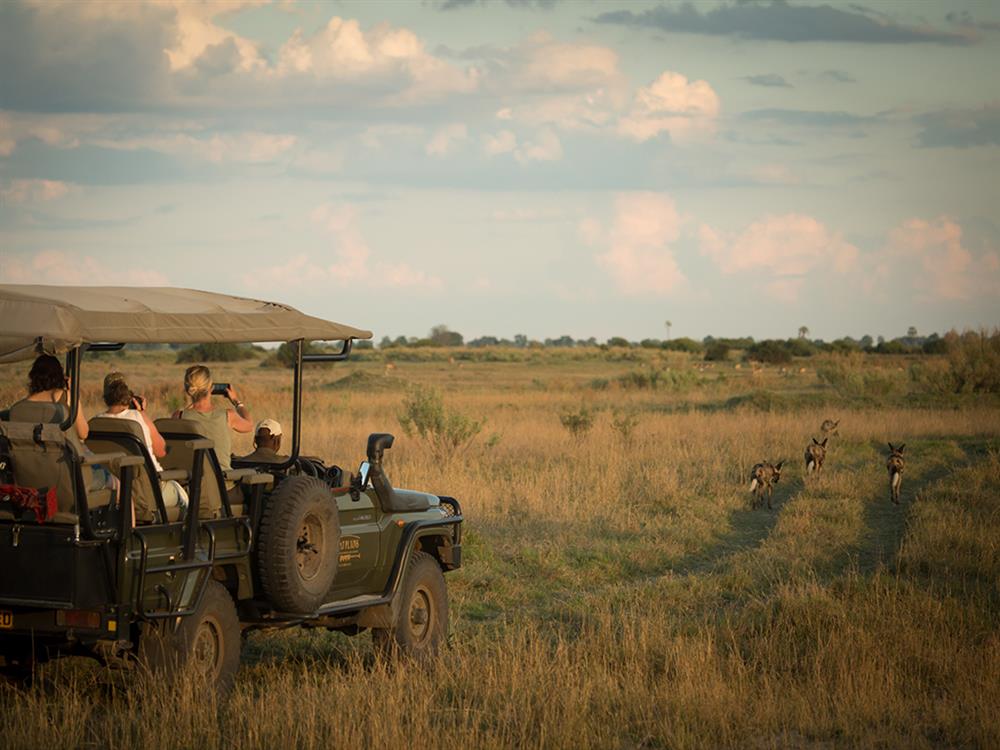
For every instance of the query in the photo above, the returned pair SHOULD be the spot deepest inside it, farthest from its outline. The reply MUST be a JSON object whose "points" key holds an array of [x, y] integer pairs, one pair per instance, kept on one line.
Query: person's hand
{"points": [[231, 395], [139, 402]]}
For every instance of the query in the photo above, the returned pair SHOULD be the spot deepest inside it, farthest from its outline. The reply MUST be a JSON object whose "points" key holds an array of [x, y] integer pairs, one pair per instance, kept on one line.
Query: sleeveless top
{"points": [[215, 426], [46, 412]]}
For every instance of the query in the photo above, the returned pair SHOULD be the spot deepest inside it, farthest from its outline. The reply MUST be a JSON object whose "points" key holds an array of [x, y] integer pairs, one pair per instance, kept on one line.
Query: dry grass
{"points": [[621, 594]]}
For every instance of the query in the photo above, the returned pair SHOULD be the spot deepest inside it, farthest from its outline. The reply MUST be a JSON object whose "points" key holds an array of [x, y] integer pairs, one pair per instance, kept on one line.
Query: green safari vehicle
{"points": [[300, 546]]}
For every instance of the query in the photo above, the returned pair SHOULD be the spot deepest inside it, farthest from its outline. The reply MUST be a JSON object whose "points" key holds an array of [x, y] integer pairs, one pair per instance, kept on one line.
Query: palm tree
{"points": [[668, 324], [803, 331]]}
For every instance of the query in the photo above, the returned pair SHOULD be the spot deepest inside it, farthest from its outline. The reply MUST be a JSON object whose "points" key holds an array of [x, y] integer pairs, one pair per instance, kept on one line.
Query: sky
{"points": [[541, 167]]}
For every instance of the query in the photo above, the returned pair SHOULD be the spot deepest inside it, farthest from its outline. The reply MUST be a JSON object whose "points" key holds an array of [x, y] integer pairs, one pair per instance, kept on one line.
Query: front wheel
{"points": [[421, 620]]}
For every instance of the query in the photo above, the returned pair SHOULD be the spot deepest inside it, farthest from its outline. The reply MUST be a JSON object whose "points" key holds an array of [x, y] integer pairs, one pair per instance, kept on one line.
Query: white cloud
{"points": [[250, 147], [57, 267], [542, 64], [789, 245], [671, 104], [544, 146], [639, 256], [501, 143], [930, 254], [348, 262], [445, 138], [343, 51], [33, 191]]}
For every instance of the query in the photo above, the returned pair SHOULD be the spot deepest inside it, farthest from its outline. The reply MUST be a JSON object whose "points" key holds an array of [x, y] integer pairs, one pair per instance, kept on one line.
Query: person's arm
{"points": [[159, 444], [239, 420], [81, 426]]}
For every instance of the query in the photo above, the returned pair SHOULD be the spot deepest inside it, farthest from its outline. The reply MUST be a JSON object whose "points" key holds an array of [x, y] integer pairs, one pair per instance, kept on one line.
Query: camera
{"points": [[219, 389]]}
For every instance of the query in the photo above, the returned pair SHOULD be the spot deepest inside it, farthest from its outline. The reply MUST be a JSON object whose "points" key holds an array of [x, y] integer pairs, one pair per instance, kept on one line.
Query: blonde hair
{"points": [[197, 382]]}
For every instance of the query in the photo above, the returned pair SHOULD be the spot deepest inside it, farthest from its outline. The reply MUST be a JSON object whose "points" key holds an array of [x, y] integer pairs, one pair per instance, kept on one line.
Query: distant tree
{"points": [[364, 344], [442, 336], [562, 341], [772, 352], [385, 343], [215, 352], [485, 341], [716, 351], [911, 332], [803, 331], [683, 344], [618, 341], [520, 340], [867, 342]]}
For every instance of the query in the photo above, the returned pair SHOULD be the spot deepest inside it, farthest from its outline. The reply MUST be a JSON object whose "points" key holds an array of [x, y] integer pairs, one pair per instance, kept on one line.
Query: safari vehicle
{"points": [[304, 548]]}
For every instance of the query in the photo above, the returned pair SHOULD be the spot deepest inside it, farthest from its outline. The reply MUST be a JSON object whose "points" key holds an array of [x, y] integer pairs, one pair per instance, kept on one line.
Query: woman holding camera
{"points": [[123, 404], [215, 423]]}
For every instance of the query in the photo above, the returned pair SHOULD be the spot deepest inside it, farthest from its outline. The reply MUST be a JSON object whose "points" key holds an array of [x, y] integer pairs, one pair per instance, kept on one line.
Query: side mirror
{"points": [[364, 475]]}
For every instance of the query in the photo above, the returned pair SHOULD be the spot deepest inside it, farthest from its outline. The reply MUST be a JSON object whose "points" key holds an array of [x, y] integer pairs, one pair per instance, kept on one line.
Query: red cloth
{"points": [[28, 498]]}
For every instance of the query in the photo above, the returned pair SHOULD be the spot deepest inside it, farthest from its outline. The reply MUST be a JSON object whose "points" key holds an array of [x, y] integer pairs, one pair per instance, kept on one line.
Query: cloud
{"points": [[33, 191], [348, 263], [960, 128], [771, 80], [247, 148], [788, 245], [671, 104], [543, 64], [462, 4], [639, 256], [808, 118], [544, 146], [838, 76], [57, 267], [930, 255], [783, 21], [393, 56], [443, 140]]}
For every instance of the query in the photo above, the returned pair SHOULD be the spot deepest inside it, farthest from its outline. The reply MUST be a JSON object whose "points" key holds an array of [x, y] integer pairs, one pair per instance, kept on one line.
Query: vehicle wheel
{"points": [[421, 623], [299, 545], [207, 641]]}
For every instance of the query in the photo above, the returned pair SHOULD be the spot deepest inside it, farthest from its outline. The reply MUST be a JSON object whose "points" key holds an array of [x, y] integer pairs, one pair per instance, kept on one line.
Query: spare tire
{"points": [[298, 546]]}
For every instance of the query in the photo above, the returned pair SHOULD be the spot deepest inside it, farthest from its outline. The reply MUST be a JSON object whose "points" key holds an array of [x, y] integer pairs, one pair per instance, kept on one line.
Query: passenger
{"points": [[266, 443], [215, 423], [123, 404], [48, 384]]}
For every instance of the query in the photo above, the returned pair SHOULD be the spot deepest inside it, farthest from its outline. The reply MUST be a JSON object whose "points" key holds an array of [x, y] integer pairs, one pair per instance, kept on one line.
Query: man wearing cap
{"points": [[266, 443]]}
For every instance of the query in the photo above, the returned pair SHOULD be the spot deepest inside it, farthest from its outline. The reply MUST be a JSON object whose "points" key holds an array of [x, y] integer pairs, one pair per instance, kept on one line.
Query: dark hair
{"points": [[46, 374], [116, 390]]}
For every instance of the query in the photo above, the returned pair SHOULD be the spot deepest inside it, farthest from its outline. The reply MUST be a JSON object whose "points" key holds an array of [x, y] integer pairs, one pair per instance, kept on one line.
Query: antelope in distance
{"points": [[763, 477], [895, 467], [829, 427], [815, 455]]}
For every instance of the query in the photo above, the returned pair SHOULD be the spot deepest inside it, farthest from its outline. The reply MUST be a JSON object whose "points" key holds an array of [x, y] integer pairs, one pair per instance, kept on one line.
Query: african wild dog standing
{"points": [[815, 455], [829, 427], [763, 477], [895, 467]]}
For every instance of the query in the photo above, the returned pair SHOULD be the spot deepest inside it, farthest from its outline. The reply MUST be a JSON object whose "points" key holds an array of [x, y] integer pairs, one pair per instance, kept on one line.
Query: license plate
{"points": [[6, 619]]}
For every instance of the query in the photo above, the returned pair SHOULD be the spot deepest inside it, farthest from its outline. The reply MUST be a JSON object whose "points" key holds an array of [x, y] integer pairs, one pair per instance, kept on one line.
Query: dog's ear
{"points": [[891, 448], [778, 465], [900, 448], [817, 441], [825, 440]]}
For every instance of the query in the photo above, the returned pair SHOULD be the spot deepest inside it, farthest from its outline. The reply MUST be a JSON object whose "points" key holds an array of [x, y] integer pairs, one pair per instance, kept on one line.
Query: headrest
{"points": [[117, 426], [179, 427], [36, 412]]}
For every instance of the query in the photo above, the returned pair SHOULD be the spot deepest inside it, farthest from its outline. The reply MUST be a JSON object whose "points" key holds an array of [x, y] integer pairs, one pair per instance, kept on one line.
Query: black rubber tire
{"points": [[298, 548], [423, 594], [207, 641]]}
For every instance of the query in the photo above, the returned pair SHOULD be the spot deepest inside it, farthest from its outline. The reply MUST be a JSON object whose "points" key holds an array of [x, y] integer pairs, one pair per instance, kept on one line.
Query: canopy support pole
{"points": [[73, 372]]}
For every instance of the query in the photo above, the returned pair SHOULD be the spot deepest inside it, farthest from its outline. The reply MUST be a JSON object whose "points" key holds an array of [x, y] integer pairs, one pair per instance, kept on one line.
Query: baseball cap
{"points": [[271, 425]]}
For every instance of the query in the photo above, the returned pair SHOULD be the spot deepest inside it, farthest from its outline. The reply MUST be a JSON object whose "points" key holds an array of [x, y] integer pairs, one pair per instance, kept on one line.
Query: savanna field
{"points": [[618, 591]]}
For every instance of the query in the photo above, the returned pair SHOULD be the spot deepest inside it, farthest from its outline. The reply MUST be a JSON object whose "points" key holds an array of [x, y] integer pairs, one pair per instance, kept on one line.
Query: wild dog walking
{"points": [[815, 455], [829, 427], [763, 477], [895, 467]]}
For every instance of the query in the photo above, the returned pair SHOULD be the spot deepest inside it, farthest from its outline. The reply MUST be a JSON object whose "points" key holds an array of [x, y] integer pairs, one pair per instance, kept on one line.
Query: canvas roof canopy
{"points": [[66, 316]]}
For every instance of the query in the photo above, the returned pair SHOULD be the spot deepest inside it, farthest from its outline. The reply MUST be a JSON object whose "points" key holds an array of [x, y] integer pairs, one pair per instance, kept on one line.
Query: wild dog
{"points": [[815, 455], [829, 427], [763, 477], [895, 467]]}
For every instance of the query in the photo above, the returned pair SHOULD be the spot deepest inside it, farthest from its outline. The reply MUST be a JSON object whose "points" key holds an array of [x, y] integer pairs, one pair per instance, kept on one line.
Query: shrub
{"points": [[682, 344], [624, 423], [618, 341], [215, 352], [770, 351], [445, 432], [578, 422], [717, 351]]}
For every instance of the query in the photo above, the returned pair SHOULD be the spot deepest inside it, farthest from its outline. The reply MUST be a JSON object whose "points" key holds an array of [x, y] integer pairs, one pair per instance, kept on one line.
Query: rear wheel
{"points": [[421, 620], [299, 545], [207, 642]]}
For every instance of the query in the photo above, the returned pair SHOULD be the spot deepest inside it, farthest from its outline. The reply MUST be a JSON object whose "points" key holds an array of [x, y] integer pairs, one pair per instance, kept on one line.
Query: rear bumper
{"points": [[32, 629]]}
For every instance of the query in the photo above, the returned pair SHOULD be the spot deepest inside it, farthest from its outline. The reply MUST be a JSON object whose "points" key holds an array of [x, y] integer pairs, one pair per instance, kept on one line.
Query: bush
{"points": [[717, 351], [215, 352], [578, 422], [770, 351], [682, 344], [624, 424], [618, 341], [445, 432]]}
